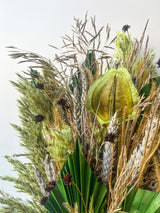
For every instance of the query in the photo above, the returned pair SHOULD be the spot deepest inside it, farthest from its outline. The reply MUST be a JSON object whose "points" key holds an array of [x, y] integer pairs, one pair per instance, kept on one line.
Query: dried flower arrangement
{"points": [[90, 125]]}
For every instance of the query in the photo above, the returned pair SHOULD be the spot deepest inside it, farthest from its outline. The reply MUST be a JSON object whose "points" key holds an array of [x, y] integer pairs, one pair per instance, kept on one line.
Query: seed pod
{"points": [[111, 93]]}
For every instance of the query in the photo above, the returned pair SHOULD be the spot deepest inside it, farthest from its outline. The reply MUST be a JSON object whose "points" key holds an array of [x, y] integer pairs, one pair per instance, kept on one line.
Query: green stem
{"points": [[80, 195]]}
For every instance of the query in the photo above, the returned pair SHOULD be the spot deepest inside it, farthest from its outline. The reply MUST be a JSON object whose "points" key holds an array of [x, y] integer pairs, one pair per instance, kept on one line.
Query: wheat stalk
{"points": [[48, 166], [41, 182], [108, 153]]}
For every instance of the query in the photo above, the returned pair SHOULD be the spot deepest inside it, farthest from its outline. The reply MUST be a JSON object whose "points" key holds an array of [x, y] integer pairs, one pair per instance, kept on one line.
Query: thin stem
{"points": [[80, 195], [110, 179]]}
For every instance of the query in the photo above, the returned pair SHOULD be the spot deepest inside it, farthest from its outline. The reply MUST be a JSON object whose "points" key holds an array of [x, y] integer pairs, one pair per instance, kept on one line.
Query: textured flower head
{"points": [[67, 180], [110, 93]]}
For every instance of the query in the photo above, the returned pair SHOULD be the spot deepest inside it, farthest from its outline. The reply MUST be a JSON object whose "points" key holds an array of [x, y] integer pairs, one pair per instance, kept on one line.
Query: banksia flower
{"points": [[41, 182], [108, 150], [49, 169], [111, 93]]}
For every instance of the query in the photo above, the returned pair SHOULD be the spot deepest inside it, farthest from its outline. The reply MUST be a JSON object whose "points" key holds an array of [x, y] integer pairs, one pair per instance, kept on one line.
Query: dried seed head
{"points": [[49, 169], [40, 86], [67, 180], [50, 186], [41, 182], [158, 63], [110, 137], [43, 200], [125, 27], [38, 118], [62, 102]]}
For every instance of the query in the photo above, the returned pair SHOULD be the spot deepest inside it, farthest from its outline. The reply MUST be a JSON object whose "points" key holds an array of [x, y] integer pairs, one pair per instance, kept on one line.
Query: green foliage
{"points": [[142, 201], [147, 88], [61, 144], [26, 181], [123, 46], [11, 204], [129, 54], [84, 179], [90, 62]]}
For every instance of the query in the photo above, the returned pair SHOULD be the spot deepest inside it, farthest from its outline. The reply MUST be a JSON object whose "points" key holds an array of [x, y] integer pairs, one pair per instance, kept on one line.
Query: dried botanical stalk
{"points": [[119, 192], [77, 111], [49, 169], [139, 152], [157, 172], [70, 209], [42, 184], [84, 81], [130, 171], [108, 153]]}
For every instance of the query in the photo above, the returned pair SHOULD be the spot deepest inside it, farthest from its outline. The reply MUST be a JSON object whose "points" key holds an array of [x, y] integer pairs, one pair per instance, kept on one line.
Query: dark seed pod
{"points": [[38, 118], [40, 86], [43, 200], [110, 137], [50, 186], [158, 63], [67, 180], [62, 102], [125, 28]]}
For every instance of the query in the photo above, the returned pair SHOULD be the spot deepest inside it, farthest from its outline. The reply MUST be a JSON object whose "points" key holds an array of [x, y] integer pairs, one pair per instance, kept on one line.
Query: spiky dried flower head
{"points": [[110, 137], [67, 180], [38, 118], [40, 86], [50, 186], [43, 200], [63, 103], [158, 63], [125, 27]]}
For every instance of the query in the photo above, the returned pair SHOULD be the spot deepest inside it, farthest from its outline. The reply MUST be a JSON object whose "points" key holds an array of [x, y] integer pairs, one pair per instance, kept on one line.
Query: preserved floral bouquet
{"points": [[90, 125]]}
